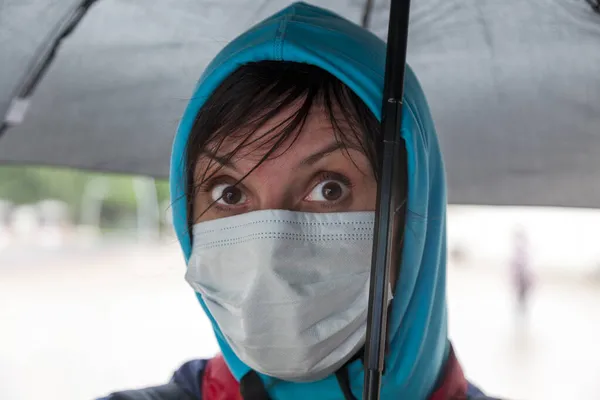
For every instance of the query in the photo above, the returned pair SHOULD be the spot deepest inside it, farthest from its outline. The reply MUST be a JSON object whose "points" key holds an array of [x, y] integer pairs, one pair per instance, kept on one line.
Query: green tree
{"points": [[22, 185]]}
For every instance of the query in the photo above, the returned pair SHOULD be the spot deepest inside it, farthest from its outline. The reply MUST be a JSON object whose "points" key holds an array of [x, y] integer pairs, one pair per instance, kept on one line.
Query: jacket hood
{"points": [[417, 326]]}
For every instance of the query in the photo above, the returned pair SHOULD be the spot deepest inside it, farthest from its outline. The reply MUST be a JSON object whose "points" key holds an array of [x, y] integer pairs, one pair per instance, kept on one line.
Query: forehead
{"points": [[253, 143]]}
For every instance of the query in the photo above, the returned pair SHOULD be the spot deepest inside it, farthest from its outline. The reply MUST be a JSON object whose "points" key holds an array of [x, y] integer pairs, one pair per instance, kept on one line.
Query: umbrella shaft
{"points": [[397, 40], [391, 198]]}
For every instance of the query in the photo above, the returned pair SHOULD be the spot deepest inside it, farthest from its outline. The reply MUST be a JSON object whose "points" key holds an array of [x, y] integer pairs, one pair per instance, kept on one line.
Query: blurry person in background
{"points": [[521, 274], [458, 255]]}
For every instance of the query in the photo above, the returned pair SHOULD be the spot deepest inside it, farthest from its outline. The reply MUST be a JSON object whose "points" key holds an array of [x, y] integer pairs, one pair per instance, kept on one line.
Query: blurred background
{"points": [[93, 298], [92, 290]]}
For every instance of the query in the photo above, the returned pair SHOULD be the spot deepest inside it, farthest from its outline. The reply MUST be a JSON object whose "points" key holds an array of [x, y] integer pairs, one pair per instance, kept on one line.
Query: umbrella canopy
{"points": [[513, 85]]}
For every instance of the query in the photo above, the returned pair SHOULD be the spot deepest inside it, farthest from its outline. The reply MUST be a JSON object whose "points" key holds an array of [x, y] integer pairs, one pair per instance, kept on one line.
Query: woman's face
{"points": [[315, 174]]}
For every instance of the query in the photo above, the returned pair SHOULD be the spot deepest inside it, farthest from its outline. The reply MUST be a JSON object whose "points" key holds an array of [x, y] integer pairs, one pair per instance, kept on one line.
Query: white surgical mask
{"points": [[288, 290]]}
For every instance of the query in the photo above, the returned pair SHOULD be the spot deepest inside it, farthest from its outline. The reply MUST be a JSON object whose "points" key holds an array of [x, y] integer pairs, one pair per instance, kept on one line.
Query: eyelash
{"points": [[322, 176], [333, 176], [208, 185]]}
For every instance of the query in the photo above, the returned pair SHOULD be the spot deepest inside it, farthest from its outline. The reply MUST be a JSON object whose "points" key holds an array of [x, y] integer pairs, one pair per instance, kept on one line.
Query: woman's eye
{"points": [[328, 191], [227, 194]]}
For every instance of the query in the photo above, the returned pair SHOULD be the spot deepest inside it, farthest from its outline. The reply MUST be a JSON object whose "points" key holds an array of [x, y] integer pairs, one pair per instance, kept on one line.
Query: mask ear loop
{"points": [[343, 377], [344, 382], [253, 388]]}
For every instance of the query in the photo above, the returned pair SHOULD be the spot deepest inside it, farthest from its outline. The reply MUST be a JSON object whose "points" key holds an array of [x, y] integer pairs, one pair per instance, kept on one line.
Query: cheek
{"points": [[204, 209], [366, 195], [199, 209]]}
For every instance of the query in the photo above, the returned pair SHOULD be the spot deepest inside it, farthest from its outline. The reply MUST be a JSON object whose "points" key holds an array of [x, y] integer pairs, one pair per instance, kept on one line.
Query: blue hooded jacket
{"points": [[419, 344]]}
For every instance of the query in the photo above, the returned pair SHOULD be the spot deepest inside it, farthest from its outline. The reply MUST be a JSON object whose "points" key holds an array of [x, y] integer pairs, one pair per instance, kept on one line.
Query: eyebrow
{"points": [[220, 159], [312, 159], [308, 161]]}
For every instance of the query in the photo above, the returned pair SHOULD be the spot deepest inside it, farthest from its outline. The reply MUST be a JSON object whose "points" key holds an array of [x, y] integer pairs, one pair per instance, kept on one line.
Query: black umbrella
{"points": [[514, 86]]}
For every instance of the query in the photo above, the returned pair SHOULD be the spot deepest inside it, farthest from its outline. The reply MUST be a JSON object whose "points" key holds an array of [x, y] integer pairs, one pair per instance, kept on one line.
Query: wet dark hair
{"points": [[255, 93]]}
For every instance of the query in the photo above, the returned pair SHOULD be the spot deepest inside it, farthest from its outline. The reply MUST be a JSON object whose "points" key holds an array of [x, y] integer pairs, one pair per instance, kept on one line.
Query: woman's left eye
{"points": [[328, 191]]}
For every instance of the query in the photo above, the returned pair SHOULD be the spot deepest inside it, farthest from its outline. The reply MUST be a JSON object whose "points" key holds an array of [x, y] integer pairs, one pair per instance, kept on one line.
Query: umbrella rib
{"points": [[17, 107], [366, 17]]}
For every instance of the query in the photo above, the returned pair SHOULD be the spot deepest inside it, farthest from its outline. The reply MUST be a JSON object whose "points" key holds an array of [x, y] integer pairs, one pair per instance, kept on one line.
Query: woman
{"points": [[273, 181], [521, 272]]}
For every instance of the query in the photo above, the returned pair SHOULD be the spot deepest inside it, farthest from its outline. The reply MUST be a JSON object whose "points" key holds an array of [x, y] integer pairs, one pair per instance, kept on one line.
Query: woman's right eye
{"points": [[227, 194]]}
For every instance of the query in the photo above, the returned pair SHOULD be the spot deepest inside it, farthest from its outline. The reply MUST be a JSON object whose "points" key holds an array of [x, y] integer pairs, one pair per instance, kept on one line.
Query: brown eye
{"points": [[328, 191], [227, 194], [332, 191]]}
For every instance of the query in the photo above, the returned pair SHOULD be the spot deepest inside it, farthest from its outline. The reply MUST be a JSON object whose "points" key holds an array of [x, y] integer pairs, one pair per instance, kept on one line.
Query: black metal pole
{"points": [[391, 198]]}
